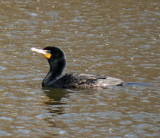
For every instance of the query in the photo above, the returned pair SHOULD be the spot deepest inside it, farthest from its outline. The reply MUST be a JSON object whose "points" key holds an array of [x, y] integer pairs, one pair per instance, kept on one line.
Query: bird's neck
{"points": [[55, 72]]}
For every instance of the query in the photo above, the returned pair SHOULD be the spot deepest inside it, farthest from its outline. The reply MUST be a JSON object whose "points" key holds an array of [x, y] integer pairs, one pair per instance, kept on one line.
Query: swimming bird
{"points": [[56, 78]]}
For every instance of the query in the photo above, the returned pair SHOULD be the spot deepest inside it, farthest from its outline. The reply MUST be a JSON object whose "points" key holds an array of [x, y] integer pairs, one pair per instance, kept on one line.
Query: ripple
{"points": [[23, 131], [6, 118], [4, 133], [2, 68]]}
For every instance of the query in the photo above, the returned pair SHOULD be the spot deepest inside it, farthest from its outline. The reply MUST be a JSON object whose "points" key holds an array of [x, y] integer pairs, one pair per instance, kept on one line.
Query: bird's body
{"points": [[75, 80], [56, 78]]}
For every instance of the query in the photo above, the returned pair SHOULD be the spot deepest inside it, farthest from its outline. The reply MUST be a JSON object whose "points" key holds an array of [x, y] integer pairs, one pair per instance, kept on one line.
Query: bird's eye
{"points": [[49, 51]]}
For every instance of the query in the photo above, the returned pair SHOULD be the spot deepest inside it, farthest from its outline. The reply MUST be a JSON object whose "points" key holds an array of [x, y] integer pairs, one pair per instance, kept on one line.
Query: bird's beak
{"points": [[41, 51]]}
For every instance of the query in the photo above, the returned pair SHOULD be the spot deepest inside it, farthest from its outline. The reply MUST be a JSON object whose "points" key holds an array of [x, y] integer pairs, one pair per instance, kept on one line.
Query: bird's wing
{"points": [[88, 80]]}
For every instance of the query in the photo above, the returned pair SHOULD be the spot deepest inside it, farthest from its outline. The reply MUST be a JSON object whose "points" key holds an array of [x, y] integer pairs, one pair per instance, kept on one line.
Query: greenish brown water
{"points": [[115, 38]]}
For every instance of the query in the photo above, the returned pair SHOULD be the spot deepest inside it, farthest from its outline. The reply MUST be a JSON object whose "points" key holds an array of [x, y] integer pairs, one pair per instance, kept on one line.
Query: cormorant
{"points": [[56, 78]]}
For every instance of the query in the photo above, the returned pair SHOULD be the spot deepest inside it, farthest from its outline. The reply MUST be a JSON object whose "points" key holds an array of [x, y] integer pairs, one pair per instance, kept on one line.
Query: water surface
{"points": [[114, 38]]}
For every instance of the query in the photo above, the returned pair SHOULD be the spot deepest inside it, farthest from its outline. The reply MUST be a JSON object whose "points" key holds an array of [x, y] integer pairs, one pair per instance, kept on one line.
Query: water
{"points": [[119, 39]]}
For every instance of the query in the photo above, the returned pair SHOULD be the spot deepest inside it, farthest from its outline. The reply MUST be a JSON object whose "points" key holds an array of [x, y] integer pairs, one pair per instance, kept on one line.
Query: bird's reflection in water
{"points": [[56, 100]]}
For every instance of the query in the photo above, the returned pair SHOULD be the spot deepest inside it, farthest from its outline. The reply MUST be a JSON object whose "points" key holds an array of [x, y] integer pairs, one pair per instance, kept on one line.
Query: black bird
{"points": [[56, 78]]}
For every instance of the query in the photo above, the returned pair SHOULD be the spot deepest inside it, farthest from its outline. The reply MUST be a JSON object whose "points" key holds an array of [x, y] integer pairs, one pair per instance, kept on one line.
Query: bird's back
{"points": [[75, 80]]}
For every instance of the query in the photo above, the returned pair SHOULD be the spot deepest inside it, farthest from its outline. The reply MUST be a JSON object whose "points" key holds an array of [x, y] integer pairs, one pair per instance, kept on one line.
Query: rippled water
{"points": [[115, 38]]}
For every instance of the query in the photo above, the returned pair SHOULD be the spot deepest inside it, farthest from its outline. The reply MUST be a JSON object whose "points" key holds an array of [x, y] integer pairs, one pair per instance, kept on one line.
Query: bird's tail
{"points": [[139, 84]]}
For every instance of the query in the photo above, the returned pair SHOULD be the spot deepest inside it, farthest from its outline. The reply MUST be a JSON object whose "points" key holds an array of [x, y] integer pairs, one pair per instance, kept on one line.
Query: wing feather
{"points": [[87, 80]]}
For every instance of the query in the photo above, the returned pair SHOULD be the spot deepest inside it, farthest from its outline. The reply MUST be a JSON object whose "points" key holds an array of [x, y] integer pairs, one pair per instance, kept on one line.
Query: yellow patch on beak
{"points": [[43, 52], [47, 55]]}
